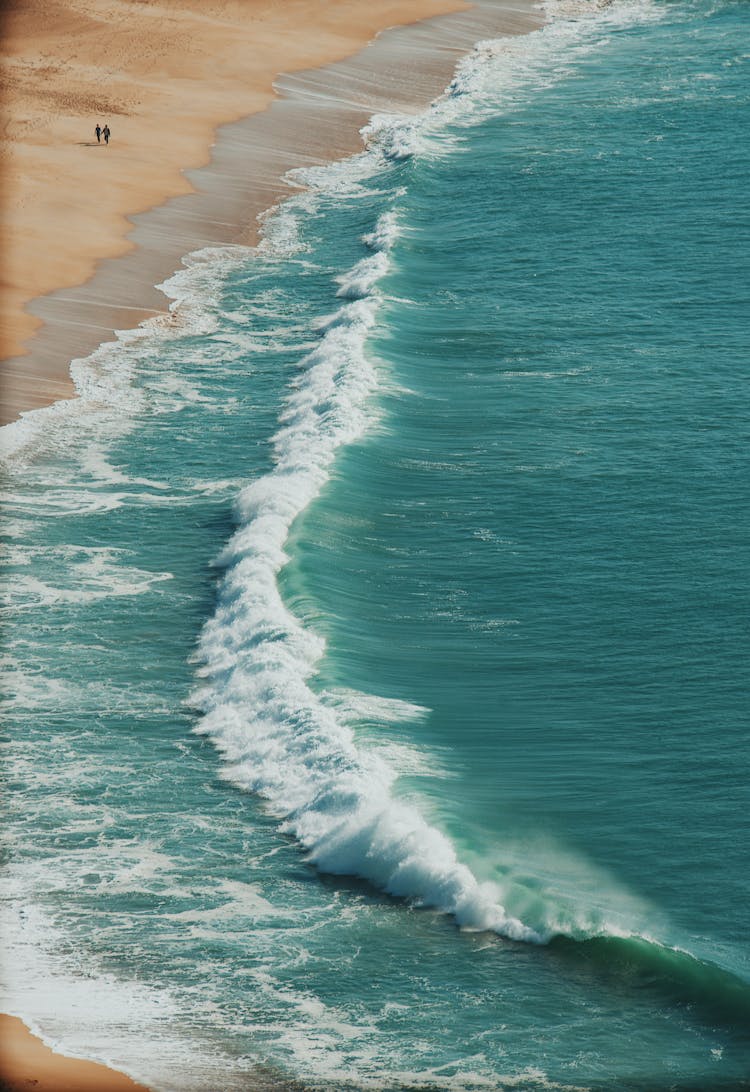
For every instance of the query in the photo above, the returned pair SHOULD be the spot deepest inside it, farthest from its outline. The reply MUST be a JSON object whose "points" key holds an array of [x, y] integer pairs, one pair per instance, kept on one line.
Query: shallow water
{"points": [[376, 633]]}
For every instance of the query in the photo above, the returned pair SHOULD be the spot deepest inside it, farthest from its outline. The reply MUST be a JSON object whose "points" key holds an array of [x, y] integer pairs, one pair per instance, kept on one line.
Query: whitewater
{"points": [[353, 691]]}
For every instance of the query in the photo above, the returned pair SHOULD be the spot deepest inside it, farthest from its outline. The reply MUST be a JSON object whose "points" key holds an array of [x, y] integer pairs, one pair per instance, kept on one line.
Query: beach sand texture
{"points": [[26, 1063], [163, 76], [89, 229]]}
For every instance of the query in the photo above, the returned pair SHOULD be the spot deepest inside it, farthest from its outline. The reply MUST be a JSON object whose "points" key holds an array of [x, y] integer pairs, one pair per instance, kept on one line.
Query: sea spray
{"points": [[630, 773], [279, 738], [293, 746]]}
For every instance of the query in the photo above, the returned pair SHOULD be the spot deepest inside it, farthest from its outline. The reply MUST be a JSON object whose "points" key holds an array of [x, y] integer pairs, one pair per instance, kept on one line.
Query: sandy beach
{"points": [[25, 1062], [210, 103], [372, 546], [150, 72]]}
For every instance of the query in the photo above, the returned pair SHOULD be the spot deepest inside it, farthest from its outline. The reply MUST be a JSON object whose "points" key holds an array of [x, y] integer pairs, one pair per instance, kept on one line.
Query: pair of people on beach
{"points": [[102, 133]]}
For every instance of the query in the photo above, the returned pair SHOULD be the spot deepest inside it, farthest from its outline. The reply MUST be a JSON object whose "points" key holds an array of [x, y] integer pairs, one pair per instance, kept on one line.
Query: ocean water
{"points": [[375, 634]]}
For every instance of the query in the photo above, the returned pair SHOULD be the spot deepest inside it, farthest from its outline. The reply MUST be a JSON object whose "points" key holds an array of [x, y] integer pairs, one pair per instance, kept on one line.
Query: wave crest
{"points": [[280, 739]]}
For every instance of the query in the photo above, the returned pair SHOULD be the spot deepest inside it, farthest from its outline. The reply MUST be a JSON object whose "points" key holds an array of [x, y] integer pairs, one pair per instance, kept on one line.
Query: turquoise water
{"points": [[376, 632]]}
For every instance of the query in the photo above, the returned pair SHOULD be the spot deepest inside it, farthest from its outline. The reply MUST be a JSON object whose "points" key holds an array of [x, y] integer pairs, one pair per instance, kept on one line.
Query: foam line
{"points": [[280, 738]]}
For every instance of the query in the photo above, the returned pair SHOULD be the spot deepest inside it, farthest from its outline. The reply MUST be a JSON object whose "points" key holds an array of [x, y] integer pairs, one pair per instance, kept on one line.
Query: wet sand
{"points": [[26, 1063], [210, 103], [199, 147]]}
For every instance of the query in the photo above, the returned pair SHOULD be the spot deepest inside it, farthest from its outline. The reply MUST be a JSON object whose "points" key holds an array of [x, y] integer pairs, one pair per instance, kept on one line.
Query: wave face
{"points": [[279, 738], [427, 514], [282, 738], [715, 994]]}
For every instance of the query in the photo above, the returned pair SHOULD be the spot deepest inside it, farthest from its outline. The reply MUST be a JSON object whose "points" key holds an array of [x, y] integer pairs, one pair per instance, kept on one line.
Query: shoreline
{"points": [[303, 113], [26, 1062], [303, 116]]}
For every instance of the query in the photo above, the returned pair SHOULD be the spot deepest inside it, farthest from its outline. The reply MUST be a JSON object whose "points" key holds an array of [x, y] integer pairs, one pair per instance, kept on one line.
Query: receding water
{"points": [[376, 633]]}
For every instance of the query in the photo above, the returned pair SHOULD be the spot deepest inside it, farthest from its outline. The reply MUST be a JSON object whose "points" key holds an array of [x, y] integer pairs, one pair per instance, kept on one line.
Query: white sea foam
{"points": [[385, 233], [491, 77], [354, 706], [89, 580], [280, 738], [280, 232], [108, 398], [394, 136], [303, 751], [500, 74], [84, 1012], [359, 282]]}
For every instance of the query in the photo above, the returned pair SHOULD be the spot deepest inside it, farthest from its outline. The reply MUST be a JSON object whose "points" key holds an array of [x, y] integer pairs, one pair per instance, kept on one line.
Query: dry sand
{"points": [[164, 75], [26, 1064], [89, 229]]}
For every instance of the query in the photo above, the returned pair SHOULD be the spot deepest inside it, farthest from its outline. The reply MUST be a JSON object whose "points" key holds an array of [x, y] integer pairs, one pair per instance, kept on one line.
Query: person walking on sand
{"points": [[98, 132], [106, 134]]}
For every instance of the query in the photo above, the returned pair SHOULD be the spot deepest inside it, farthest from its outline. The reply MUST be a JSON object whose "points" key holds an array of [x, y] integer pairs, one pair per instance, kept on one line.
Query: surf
{"points": [[279, 738], [296, 746]]}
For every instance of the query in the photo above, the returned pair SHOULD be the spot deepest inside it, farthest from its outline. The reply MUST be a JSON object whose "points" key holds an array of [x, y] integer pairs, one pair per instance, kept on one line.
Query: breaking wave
{"points": [[281, 739]]}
